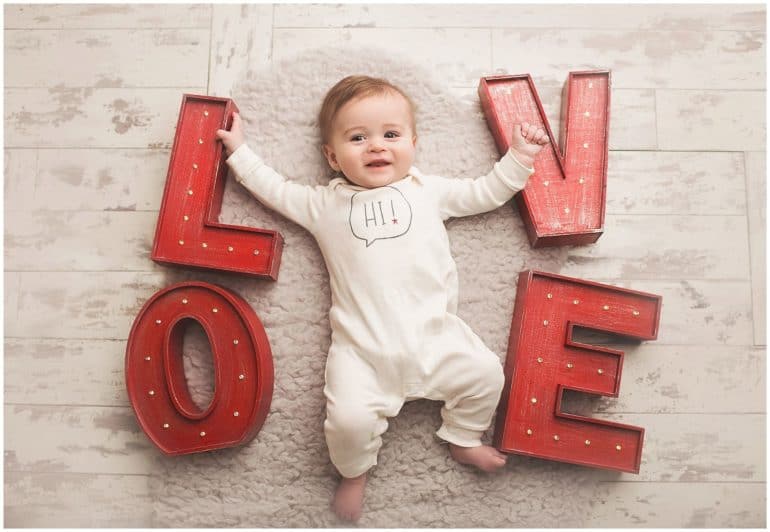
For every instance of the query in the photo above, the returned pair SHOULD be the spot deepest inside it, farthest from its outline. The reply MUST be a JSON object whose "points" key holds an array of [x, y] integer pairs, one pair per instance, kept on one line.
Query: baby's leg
{"points": [[356, 411], [469, 378]]}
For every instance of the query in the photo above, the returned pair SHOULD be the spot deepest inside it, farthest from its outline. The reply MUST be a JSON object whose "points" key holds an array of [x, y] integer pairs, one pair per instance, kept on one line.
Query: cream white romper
{"points": [[395, 332]]}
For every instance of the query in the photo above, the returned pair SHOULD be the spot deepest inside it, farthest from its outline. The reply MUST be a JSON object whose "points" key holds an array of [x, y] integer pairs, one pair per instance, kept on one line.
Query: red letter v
{"points": [[563, 202]]}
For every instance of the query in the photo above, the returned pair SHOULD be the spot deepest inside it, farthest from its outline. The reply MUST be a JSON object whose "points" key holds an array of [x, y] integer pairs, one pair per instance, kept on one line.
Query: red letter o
{"points": [[155, 379]]}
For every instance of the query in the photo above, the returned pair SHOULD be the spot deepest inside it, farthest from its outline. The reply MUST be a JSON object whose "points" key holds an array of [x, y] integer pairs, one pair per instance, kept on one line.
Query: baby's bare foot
{"points": [[484, 457], [349, 498]]}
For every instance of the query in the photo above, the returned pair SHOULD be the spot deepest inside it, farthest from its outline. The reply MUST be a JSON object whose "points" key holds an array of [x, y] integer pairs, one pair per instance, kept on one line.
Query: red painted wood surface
{"points": [[188, 232], [543, 360], [563, 202], [155, 378]]}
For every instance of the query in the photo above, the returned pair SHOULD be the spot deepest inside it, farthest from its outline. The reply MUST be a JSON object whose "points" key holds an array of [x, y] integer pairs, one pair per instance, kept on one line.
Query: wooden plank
{"points": [[678, 504], [699, 312], [671, 379], [457, 56], [96, 305], [756, 187], [632, 119], [20, 171], [106, 58], [649, 59], [53, 16], [76, 439], [93, 118], [52, 500], [241, 42], [683, 183], [732, 120], [599, 16], [80, 241], [83, 305], [665, 247], [100, 179], [65, 372], [639, 182], [697, 448], [11, 285]]}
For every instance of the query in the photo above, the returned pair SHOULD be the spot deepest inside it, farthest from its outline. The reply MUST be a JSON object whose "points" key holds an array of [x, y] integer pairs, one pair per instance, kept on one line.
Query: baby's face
{"points": [[372, 141]]}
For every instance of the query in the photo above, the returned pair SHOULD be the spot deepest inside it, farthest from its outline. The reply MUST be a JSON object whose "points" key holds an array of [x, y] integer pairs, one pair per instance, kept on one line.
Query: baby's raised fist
{"points": [[234, 138], [527, 141]]}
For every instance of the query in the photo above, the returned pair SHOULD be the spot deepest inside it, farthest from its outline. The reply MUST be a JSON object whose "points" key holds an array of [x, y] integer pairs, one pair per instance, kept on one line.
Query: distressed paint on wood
{"points": [[91, 117], [65, 372], [701, 312], [241, 42], [458, 56], [106, 58], [82, 305], [682, 504], [633, 126], [79, 241], [563, 202], [52, 16], [188, 231], [665, 247], [697, 448], [95, 305], [676, 183], [666, 380], [77, 500], [711, 120], [11, 286], [76, 439], [155, 375], [20, 174], [100, 179], [756, 191], [599, 16], [638, 59], [544, 360]]}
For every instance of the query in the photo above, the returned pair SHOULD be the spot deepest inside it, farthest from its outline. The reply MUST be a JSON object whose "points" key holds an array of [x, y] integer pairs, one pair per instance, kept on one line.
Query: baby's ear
{"points": [[414, 140], [331, 157]]}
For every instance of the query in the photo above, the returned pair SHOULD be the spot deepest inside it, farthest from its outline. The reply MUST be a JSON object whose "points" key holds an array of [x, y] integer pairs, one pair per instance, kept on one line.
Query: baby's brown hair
{"points": [[350, 88]]}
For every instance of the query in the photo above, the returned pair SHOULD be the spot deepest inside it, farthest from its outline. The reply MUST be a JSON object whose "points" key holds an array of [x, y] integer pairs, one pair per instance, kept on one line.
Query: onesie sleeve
{"points": [[299, 203], [464, 197]]}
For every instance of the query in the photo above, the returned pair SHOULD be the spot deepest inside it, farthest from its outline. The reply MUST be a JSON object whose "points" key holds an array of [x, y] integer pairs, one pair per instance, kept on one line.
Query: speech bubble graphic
{"points": [[379, 214]]}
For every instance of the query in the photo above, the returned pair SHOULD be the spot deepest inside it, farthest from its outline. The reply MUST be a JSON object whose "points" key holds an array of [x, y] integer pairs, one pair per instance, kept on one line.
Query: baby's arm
{"points": [[464, 197], [299, 203]]}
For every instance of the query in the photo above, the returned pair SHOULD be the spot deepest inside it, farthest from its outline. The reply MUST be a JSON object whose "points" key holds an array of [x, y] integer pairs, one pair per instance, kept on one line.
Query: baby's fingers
{"points": [[540, 137]]}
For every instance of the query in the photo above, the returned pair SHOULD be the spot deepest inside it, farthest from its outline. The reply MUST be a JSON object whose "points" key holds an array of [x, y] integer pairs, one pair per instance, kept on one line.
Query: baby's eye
{"points": [[392, 135], [357, 138]]}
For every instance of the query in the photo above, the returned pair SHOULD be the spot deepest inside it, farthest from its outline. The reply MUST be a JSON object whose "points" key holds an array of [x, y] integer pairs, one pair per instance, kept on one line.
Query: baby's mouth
{"points": [[377, 164]]}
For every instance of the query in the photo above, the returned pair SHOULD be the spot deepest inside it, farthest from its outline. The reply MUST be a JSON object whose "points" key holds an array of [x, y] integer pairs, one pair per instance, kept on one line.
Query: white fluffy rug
{"points": [[283, 478]]}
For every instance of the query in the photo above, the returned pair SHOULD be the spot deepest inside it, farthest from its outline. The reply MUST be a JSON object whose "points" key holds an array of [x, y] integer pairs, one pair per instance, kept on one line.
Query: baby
{"points": [[380, 227]]}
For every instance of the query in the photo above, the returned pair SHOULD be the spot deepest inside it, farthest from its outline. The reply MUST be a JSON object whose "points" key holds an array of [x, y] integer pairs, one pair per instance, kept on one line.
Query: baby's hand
{"points": [[527, 141], [234, 138]]}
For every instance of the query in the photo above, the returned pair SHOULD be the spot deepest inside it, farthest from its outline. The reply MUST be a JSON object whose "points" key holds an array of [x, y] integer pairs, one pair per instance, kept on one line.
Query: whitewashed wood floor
{"points": [[92, 94]]}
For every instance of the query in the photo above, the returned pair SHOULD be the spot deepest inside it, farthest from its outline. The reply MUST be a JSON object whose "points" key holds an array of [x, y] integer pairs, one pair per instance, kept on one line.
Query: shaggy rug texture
{"points": [[283, 477]]}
